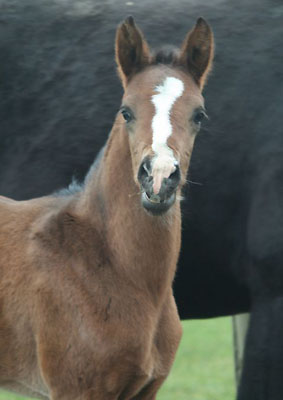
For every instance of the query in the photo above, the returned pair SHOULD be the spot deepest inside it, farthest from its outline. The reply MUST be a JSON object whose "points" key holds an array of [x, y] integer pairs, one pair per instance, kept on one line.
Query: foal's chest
{"points": [[109, 356]]}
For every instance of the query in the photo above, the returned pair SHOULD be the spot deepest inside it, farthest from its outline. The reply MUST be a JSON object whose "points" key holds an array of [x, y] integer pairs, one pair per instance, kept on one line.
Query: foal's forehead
{"points": [[154, 79]]}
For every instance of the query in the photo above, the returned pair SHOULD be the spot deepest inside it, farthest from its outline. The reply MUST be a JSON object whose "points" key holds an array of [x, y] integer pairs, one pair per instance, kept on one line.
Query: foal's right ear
{"points": [[132, 51]]}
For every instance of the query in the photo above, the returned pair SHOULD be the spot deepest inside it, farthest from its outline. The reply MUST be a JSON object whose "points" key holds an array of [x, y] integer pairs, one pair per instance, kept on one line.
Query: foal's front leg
{"points": [[99, 392], [86, 396], [150, 391], [167, 340]]}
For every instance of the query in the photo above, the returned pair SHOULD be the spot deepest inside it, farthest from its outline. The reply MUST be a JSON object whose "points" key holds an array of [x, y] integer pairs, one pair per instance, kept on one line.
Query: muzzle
{"points": [[159, 179]]}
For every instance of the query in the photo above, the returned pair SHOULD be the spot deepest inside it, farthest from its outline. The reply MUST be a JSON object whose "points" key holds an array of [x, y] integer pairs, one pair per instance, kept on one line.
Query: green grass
{"points": [[203, 369]]}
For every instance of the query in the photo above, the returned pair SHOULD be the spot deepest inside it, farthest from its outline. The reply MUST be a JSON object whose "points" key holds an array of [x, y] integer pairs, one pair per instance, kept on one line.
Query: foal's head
{"points": [[162, 108]]}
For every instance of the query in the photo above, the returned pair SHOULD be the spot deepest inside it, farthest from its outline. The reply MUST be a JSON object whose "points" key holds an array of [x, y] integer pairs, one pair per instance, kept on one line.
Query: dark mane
{"points": [[167, 55], [75, 186]]}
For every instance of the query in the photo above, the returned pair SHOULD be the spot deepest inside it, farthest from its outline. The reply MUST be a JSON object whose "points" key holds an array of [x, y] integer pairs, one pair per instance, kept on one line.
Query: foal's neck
{"points": [[145, 248]]}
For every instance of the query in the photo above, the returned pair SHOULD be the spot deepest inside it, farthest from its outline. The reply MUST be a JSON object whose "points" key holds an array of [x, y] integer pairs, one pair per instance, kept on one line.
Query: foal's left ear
{"points": [[132, 51], [197, 51]]}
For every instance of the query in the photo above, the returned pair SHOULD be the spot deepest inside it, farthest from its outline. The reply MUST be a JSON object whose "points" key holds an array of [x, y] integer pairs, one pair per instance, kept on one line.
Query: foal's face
{"points": [[161, 110]]}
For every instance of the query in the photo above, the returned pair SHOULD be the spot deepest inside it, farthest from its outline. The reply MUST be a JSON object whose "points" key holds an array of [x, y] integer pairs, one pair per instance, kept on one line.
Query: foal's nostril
{"points": [[145, 170], [175, 177]]}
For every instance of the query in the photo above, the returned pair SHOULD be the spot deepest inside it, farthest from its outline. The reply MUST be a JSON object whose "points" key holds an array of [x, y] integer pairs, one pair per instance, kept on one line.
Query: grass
{"points": [[203, 369]]}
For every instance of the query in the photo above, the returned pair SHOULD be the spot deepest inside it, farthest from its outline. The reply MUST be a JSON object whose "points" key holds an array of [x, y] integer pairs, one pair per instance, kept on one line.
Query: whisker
{"points": [[195, 183]]}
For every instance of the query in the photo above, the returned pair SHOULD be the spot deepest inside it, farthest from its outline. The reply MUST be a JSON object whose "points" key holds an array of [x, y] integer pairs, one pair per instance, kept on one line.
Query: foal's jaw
{"points": [[155, 206]]}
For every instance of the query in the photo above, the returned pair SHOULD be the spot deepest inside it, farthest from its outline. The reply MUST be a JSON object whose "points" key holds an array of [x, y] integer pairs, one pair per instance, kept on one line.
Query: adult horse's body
{"points": [[55, 69], [87, 308]]}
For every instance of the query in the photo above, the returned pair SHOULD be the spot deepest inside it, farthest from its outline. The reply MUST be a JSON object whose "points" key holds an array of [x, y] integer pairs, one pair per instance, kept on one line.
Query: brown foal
{"points": [[86, 304]]}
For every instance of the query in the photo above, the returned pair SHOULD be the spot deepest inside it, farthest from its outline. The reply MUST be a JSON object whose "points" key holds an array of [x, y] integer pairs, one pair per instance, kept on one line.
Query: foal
{"points": [[86, 304]]}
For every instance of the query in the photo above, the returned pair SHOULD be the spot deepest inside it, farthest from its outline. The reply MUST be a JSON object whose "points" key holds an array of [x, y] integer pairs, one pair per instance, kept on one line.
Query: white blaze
{"points": [[164, 160]]}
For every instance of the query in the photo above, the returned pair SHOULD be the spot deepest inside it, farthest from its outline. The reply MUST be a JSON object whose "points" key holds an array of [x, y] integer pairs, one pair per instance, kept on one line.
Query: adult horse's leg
{"points": [[240, 324], [263, 366], [263, 363]]}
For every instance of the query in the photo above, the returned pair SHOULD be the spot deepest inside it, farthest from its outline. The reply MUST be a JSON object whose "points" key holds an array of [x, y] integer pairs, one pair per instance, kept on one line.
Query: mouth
{"points": [[155, 205]]}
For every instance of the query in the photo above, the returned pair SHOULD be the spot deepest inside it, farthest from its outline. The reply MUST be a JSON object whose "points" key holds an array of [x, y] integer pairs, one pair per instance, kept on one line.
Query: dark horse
{"points": [[56, 69], [88, 311]]}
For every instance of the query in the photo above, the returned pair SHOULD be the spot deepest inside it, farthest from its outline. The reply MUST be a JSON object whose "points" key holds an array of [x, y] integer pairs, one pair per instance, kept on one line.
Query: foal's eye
{"points": [[127, 115], [199, 117]]}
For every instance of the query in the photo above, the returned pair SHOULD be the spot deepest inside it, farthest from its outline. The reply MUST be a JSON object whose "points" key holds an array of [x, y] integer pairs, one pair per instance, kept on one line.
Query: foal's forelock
{"points": [[164, 162]]}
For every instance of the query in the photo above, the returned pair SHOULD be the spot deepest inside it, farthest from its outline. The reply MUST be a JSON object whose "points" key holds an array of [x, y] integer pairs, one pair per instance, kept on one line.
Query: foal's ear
{"points": [[197, 51], [132, 51]]}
